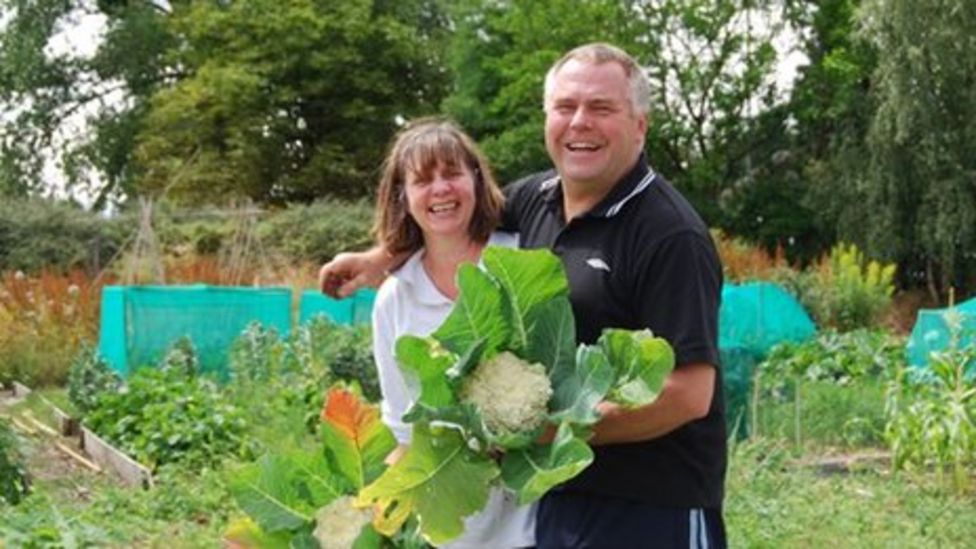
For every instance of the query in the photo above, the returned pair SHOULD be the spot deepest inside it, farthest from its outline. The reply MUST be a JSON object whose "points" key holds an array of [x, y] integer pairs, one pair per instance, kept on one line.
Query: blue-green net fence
{"points": [[139, 323], [754, 318], [932, 332], [355, 309]]}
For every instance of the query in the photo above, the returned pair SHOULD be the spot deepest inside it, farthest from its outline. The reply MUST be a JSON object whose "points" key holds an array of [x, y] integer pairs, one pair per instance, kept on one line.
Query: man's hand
{"points": [[686, 396], [350, 271]]}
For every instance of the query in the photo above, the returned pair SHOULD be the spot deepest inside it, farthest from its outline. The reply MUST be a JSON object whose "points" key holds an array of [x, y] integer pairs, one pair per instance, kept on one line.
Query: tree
{"points": [[922, 178], [288, 102], [276, 101], [709, 63]]}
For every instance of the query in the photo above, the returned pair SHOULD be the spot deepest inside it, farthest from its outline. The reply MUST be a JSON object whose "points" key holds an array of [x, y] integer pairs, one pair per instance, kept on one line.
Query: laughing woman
{"points": [[439, 203]]}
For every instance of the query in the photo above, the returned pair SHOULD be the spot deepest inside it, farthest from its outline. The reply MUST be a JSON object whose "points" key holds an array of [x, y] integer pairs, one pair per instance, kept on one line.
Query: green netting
{"points": [[139, 323], [754, 318], [355, 309], [932, 333]]}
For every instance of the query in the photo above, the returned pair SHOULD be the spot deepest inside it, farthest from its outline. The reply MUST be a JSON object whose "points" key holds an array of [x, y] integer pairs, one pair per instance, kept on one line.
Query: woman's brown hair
{"points": [[421, 147]]}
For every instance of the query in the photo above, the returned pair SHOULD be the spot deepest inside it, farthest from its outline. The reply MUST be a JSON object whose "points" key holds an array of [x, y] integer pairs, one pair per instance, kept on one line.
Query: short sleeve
{"points": [[679, 286]]}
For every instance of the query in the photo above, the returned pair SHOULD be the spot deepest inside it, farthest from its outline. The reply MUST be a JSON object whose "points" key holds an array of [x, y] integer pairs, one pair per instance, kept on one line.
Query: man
{"points": [[637, 256]]}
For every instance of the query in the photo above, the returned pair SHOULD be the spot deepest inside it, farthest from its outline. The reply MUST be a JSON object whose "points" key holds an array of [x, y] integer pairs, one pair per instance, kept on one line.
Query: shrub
{"points": [[843, 290], [318, 231], [742, 262], [45, 234]]}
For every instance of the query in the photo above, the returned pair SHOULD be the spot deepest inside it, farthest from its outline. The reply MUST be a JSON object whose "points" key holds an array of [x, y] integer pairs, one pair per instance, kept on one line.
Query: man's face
{"points": [[593, 134]]}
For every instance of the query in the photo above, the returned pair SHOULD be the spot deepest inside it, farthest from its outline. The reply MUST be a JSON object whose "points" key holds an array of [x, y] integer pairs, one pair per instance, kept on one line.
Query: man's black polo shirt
{"points": [[642, 258]]}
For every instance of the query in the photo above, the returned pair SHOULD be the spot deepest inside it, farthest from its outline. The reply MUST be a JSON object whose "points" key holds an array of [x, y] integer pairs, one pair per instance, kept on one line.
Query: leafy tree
{"points": [[44, 92], [709, 63], [802, 184], [921, 191], [276, 101], [288, 101]]}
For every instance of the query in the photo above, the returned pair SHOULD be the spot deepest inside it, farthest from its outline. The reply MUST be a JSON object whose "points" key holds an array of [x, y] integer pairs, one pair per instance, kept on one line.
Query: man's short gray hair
{"points": [[598, 53]]}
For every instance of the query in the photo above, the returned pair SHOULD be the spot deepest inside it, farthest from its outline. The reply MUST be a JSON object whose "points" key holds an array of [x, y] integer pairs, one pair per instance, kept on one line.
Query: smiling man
{"points": [[637, 256]]}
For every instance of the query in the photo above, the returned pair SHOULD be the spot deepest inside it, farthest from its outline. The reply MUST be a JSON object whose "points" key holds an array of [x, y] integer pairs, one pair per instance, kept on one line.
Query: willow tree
{"points": [[922, 177]]}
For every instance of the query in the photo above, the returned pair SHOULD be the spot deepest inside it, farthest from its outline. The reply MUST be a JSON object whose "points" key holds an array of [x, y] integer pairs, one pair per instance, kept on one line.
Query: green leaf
{"points": [[477, 314], [369, 538], [576, 392], [282, 493], [529, 277], [552, 337], [643, 362], [246, 534], [533, 471], [356, 441], [425, 358], [467, 363], [439, 479]]}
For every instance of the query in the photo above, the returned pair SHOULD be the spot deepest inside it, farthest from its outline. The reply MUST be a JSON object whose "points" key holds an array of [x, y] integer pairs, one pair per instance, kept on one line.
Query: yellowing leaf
{"points": [[356, 441], [439, 480]]}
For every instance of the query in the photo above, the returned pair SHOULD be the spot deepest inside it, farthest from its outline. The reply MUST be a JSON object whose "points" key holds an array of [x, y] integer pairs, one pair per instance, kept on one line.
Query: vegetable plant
{"points": [[13, 476], [931, 416], [304, 498], [88, 377], [168, 415]]}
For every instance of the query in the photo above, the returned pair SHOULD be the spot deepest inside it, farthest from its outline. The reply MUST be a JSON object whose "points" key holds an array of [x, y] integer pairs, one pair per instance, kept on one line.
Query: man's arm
{"points": [[686, 396], [350, 271]]}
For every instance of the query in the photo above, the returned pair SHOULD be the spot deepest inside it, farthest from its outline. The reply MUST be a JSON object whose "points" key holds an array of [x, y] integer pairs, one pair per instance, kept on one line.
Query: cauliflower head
{"points": [[511, 394], [338, 524]]}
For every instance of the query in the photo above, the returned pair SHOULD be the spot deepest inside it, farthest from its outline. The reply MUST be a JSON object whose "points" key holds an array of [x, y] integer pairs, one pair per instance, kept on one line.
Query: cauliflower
{"points": [[510, 393], [338, 524]]}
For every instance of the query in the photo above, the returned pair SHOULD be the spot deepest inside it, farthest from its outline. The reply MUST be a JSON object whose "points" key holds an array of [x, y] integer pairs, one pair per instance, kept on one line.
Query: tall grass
{"points": [[742, 261], [44, 321]]}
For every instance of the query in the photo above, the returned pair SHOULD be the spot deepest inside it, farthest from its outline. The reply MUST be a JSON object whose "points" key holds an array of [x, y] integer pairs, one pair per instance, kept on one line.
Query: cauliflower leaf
{"points": [[439, 479]]}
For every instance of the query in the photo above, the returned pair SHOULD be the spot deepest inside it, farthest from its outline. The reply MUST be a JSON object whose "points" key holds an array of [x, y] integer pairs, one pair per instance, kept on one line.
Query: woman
{"points": [[438, 202]]}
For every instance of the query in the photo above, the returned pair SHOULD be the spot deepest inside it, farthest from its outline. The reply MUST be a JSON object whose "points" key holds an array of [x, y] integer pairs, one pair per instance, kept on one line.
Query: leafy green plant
{"points": [[348, 353], [164, 416], [931, 417], [300, 497], [89, 377], [13, 476], [807, 378]]}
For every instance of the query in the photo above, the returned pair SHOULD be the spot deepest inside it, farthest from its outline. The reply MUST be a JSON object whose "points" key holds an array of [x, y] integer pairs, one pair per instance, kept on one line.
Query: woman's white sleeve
{"points": [[396, 397]]}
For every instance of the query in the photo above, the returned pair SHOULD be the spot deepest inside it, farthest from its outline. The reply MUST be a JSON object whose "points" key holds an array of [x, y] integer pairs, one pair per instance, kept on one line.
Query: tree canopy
{"points": [[295, 100]]}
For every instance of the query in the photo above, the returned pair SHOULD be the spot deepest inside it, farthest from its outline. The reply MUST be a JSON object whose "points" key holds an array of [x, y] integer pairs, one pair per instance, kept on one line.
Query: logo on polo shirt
{"points": [[598, 264]]}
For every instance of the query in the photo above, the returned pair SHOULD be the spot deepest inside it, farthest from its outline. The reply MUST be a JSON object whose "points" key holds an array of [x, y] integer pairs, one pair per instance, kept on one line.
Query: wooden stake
{"points": [[39, 424], [78, 457]]}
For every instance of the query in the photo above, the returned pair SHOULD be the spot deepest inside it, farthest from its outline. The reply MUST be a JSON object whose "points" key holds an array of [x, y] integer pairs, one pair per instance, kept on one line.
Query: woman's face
{"points": [[441, 201]]}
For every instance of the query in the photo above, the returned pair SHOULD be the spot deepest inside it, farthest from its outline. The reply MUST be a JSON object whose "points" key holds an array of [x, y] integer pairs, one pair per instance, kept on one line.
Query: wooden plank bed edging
{"points": [[131, 472]]}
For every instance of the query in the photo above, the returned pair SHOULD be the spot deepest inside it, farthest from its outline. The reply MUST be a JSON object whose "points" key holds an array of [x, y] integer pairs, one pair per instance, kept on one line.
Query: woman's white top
{"points": [[409, 303]]}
